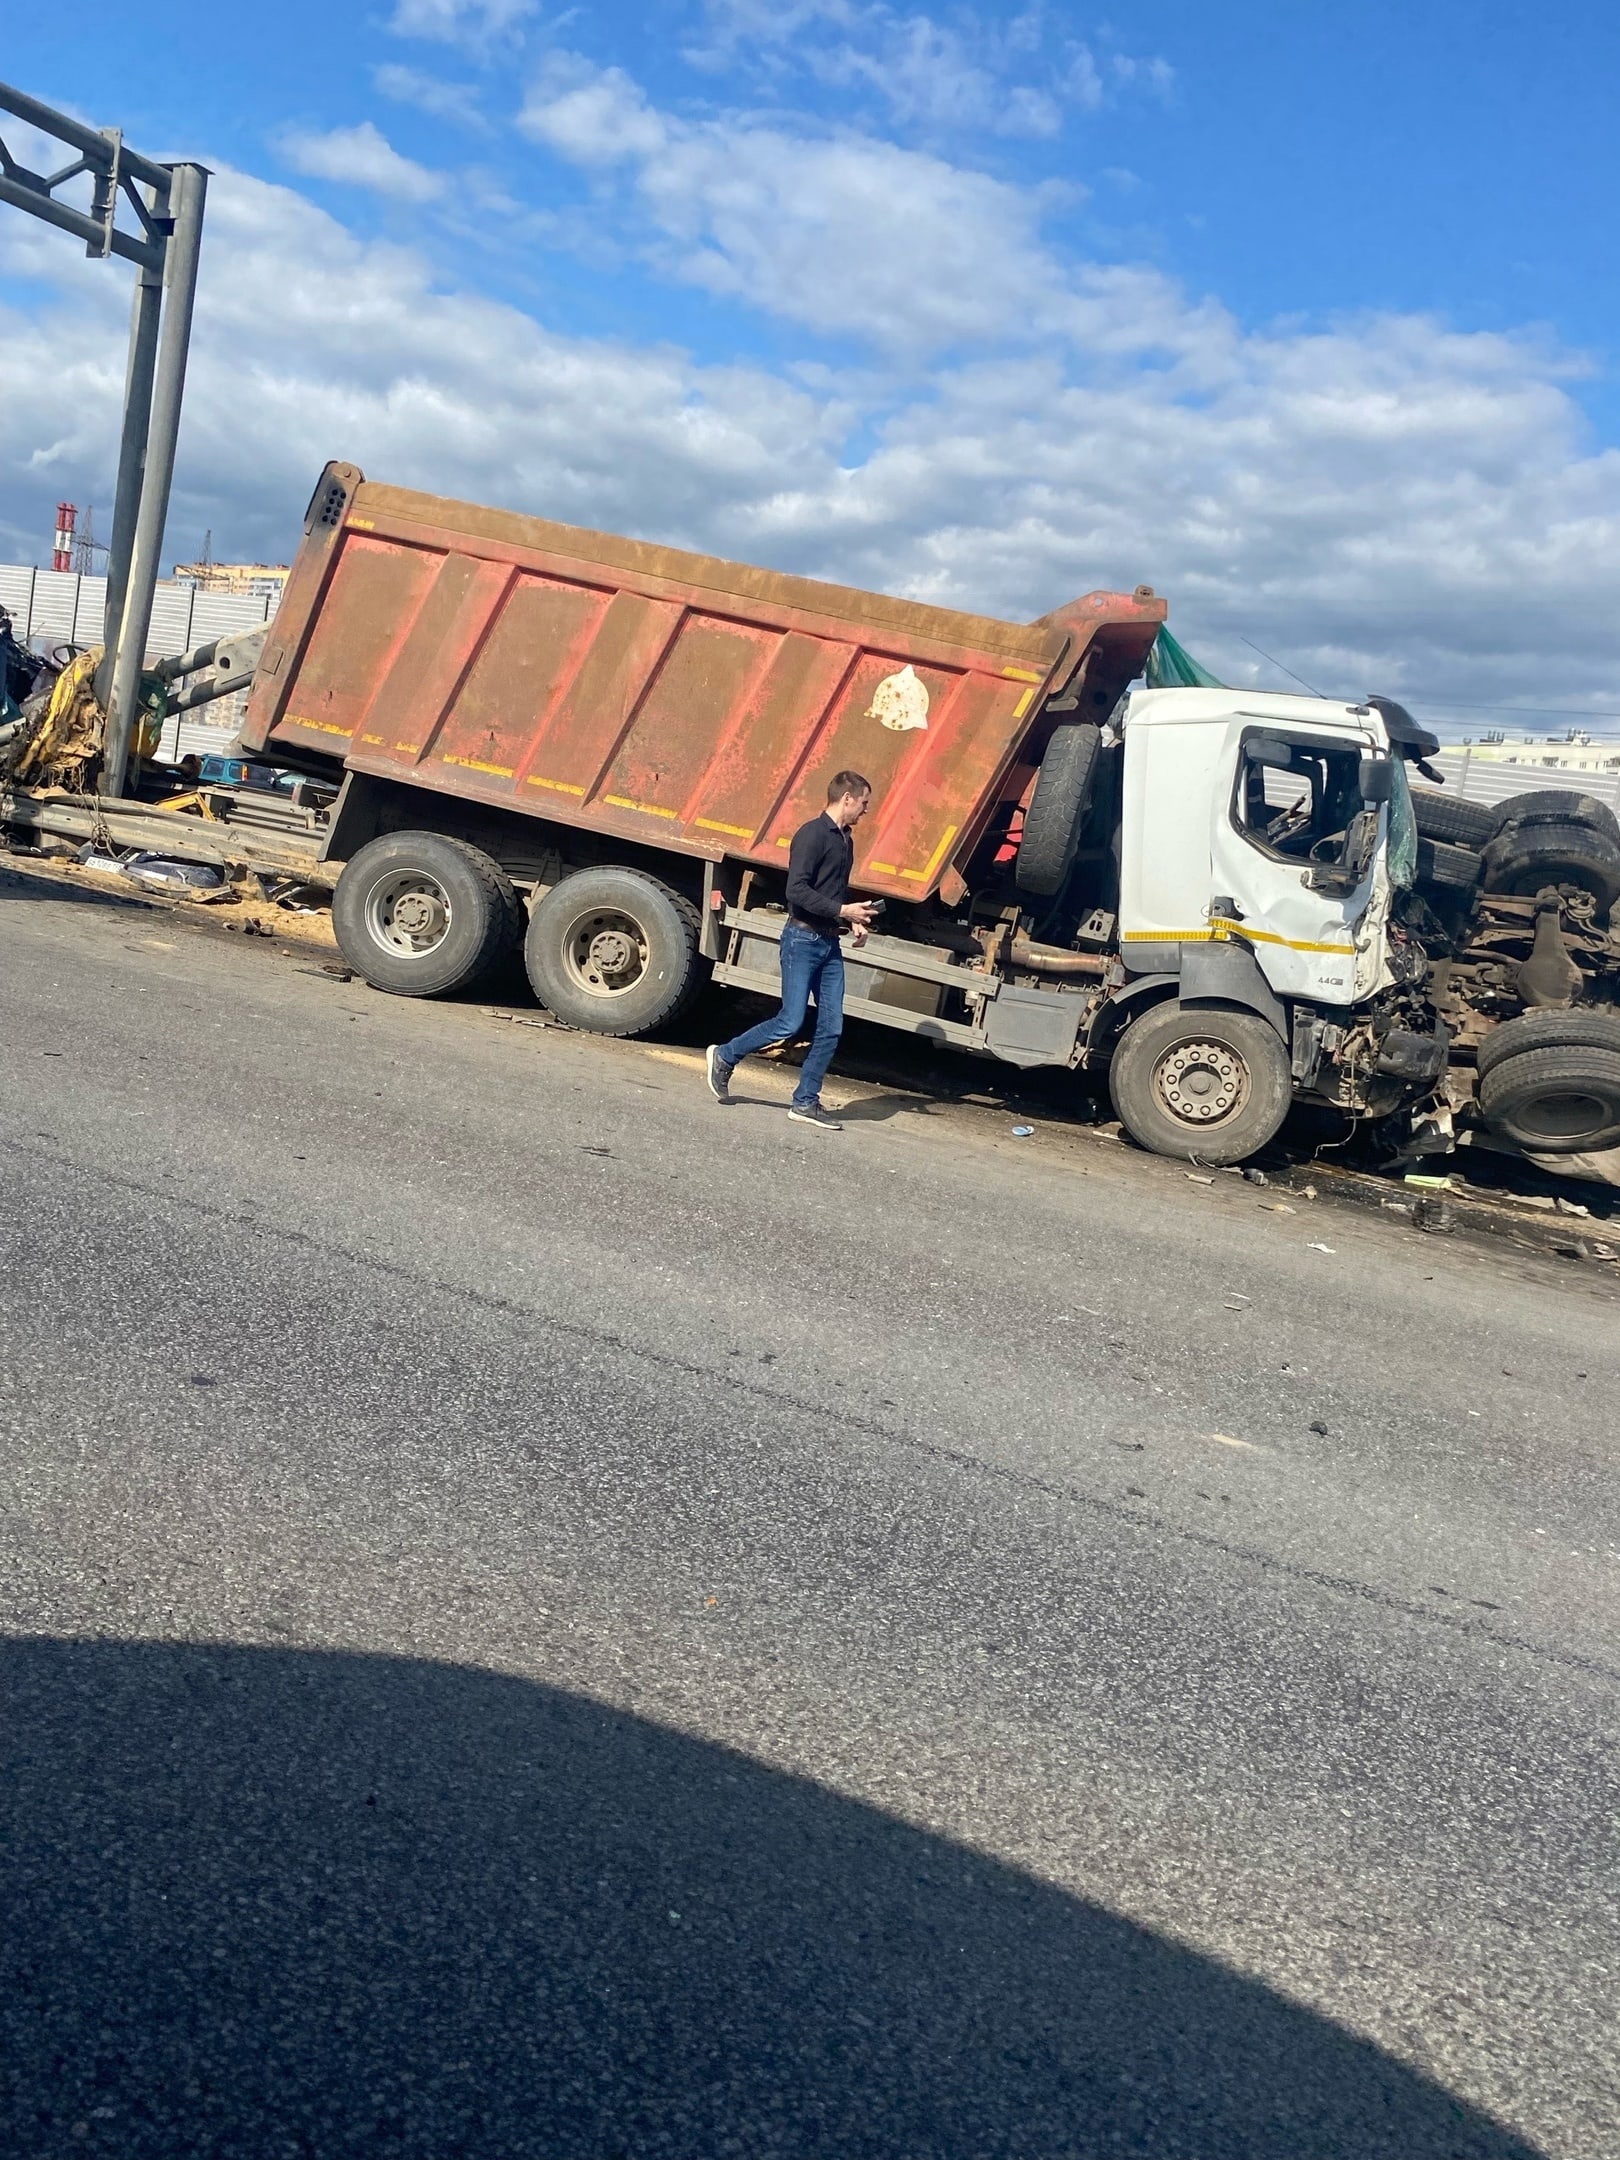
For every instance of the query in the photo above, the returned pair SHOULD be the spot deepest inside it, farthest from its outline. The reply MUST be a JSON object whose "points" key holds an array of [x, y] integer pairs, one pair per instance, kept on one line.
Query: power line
{"points": [[1422, 697], [1540, 712]]}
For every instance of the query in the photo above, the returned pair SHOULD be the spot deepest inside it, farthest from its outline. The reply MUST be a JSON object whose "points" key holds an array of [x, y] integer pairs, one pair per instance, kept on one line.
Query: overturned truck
{"points": [[599, 749]]}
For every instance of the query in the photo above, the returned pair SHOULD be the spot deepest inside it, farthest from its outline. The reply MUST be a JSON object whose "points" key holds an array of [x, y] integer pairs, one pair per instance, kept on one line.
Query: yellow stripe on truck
{"points": [[1219, 931]]}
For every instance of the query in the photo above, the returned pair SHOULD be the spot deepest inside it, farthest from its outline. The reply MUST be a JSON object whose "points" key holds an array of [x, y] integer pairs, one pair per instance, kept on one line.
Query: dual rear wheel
{"points": [[611, 950]]}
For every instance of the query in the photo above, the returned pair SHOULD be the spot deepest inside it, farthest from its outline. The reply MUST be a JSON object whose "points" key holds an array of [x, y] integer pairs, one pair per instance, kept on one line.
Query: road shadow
{"points": [[18, 883], [878, 1109], [275, 1902]]}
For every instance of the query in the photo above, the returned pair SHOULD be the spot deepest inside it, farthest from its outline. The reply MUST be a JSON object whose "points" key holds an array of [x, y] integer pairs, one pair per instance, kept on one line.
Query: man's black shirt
{"points": [[819, 865]]}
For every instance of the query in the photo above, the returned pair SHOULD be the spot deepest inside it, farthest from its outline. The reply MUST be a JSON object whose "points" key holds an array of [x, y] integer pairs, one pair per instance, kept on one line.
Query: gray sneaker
{"points": [[718, 1072], [813, 1114]]}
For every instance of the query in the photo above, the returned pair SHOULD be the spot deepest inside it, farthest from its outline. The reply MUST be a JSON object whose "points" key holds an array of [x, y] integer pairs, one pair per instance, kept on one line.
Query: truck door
{"points": [[1301, 857]]}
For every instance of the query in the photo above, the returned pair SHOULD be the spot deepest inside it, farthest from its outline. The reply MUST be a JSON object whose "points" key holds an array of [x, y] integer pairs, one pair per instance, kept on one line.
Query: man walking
{"points": [[819, 865]]}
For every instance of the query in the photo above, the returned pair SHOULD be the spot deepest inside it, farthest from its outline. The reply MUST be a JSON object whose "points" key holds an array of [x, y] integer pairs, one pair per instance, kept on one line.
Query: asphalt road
{"points": [[543, 1616]]}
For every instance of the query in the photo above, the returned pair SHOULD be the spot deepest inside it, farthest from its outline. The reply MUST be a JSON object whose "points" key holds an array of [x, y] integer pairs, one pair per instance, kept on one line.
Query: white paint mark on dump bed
{"points": [[900, 701]]}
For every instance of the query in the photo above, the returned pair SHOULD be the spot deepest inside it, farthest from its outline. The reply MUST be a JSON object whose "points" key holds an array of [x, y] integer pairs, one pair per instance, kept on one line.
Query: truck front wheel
{"points": [[1201, 1080], [421, 914], [613, 951]]}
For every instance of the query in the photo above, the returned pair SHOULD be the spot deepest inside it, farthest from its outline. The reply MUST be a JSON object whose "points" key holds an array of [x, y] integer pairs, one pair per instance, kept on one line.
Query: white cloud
{"points": [[311, 344], [975, 71], [1384, 504], [453, 101], [360, 156], [473, 23], [848, 235]]}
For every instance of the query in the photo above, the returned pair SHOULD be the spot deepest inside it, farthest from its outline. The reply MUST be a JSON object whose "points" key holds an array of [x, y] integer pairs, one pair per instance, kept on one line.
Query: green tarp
{"points": [[1171, 667]]}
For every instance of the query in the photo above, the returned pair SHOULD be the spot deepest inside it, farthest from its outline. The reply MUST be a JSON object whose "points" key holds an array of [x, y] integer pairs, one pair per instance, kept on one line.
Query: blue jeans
{"points": [[811, 964]]}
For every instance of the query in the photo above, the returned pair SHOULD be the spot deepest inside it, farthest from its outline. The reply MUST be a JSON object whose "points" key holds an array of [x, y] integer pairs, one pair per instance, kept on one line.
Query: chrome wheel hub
{"points": [[1201, 1082], [606, 952], [408, 913]]}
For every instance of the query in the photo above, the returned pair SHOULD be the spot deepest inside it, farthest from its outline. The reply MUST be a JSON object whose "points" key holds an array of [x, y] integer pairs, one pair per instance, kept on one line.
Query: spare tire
{"points": [[1579, 1028], [1444, 817], [1057, 810], [1524, 858], [1456, 868], [1561, 1101], [1553, 806]]}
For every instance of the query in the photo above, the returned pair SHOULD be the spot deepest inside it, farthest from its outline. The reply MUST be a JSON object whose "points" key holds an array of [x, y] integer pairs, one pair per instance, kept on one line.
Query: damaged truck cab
{"points": [[1264, 842]]}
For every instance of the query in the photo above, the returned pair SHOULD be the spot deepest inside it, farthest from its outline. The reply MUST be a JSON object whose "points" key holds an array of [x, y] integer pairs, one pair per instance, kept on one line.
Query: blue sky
{"points": [[1301, 314]]}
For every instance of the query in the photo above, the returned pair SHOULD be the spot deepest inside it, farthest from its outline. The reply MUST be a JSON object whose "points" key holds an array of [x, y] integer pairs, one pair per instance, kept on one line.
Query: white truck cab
{"points": [[1267, 821], [1263, 843]]}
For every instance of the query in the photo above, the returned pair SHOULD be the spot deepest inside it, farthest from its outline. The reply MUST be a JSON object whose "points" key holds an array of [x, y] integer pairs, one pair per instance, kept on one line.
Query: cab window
{"points": [[1296, 798]]}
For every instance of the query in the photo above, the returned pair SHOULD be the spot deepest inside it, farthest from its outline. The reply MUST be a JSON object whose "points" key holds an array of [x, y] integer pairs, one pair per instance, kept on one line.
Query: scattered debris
{"points": [[1310, 1192], [296, 897], [91, 857], [534, 1020], [1254, 1177], [1433, 1211], [1570, 1207], [1315, 1246], [1428, 1182], [1318, 1426], [1022, 1132], [1193, 1177], [164, 873], [1278, 1207]]}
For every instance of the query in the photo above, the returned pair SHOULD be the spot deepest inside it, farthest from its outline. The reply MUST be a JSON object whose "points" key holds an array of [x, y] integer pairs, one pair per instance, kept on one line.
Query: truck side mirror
{"points": [[1377, 780]]}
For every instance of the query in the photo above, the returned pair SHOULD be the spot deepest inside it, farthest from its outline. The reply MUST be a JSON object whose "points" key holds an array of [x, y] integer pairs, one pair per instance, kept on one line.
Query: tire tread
{"points": [[1576, 1027], [1527, 1071]]}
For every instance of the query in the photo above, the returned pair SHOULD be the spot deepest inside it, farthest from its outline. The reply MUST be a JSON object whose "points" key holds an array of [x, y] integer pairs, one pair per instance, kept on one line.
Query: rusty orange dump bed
{"points": [[662, 697]]}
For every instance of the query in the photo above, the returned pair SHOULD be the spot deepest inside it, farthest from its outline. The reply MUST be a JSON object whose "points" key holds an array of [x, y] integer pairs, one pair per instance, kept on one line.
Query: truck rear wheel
{"points": [[1526, 857], [1440, 863], [613, 951], [420, 914], [1578, 1027], [1201, 1080], [1449, 818], [1563, 1101], [1553, 806]]}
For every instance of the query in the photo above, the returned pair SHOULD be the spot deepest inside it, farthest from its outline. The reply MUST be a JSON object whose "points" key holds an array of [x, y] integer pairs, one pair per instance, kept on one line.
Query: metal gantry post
{"points": [[168, 201], [145, 310], [186, 199]]}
